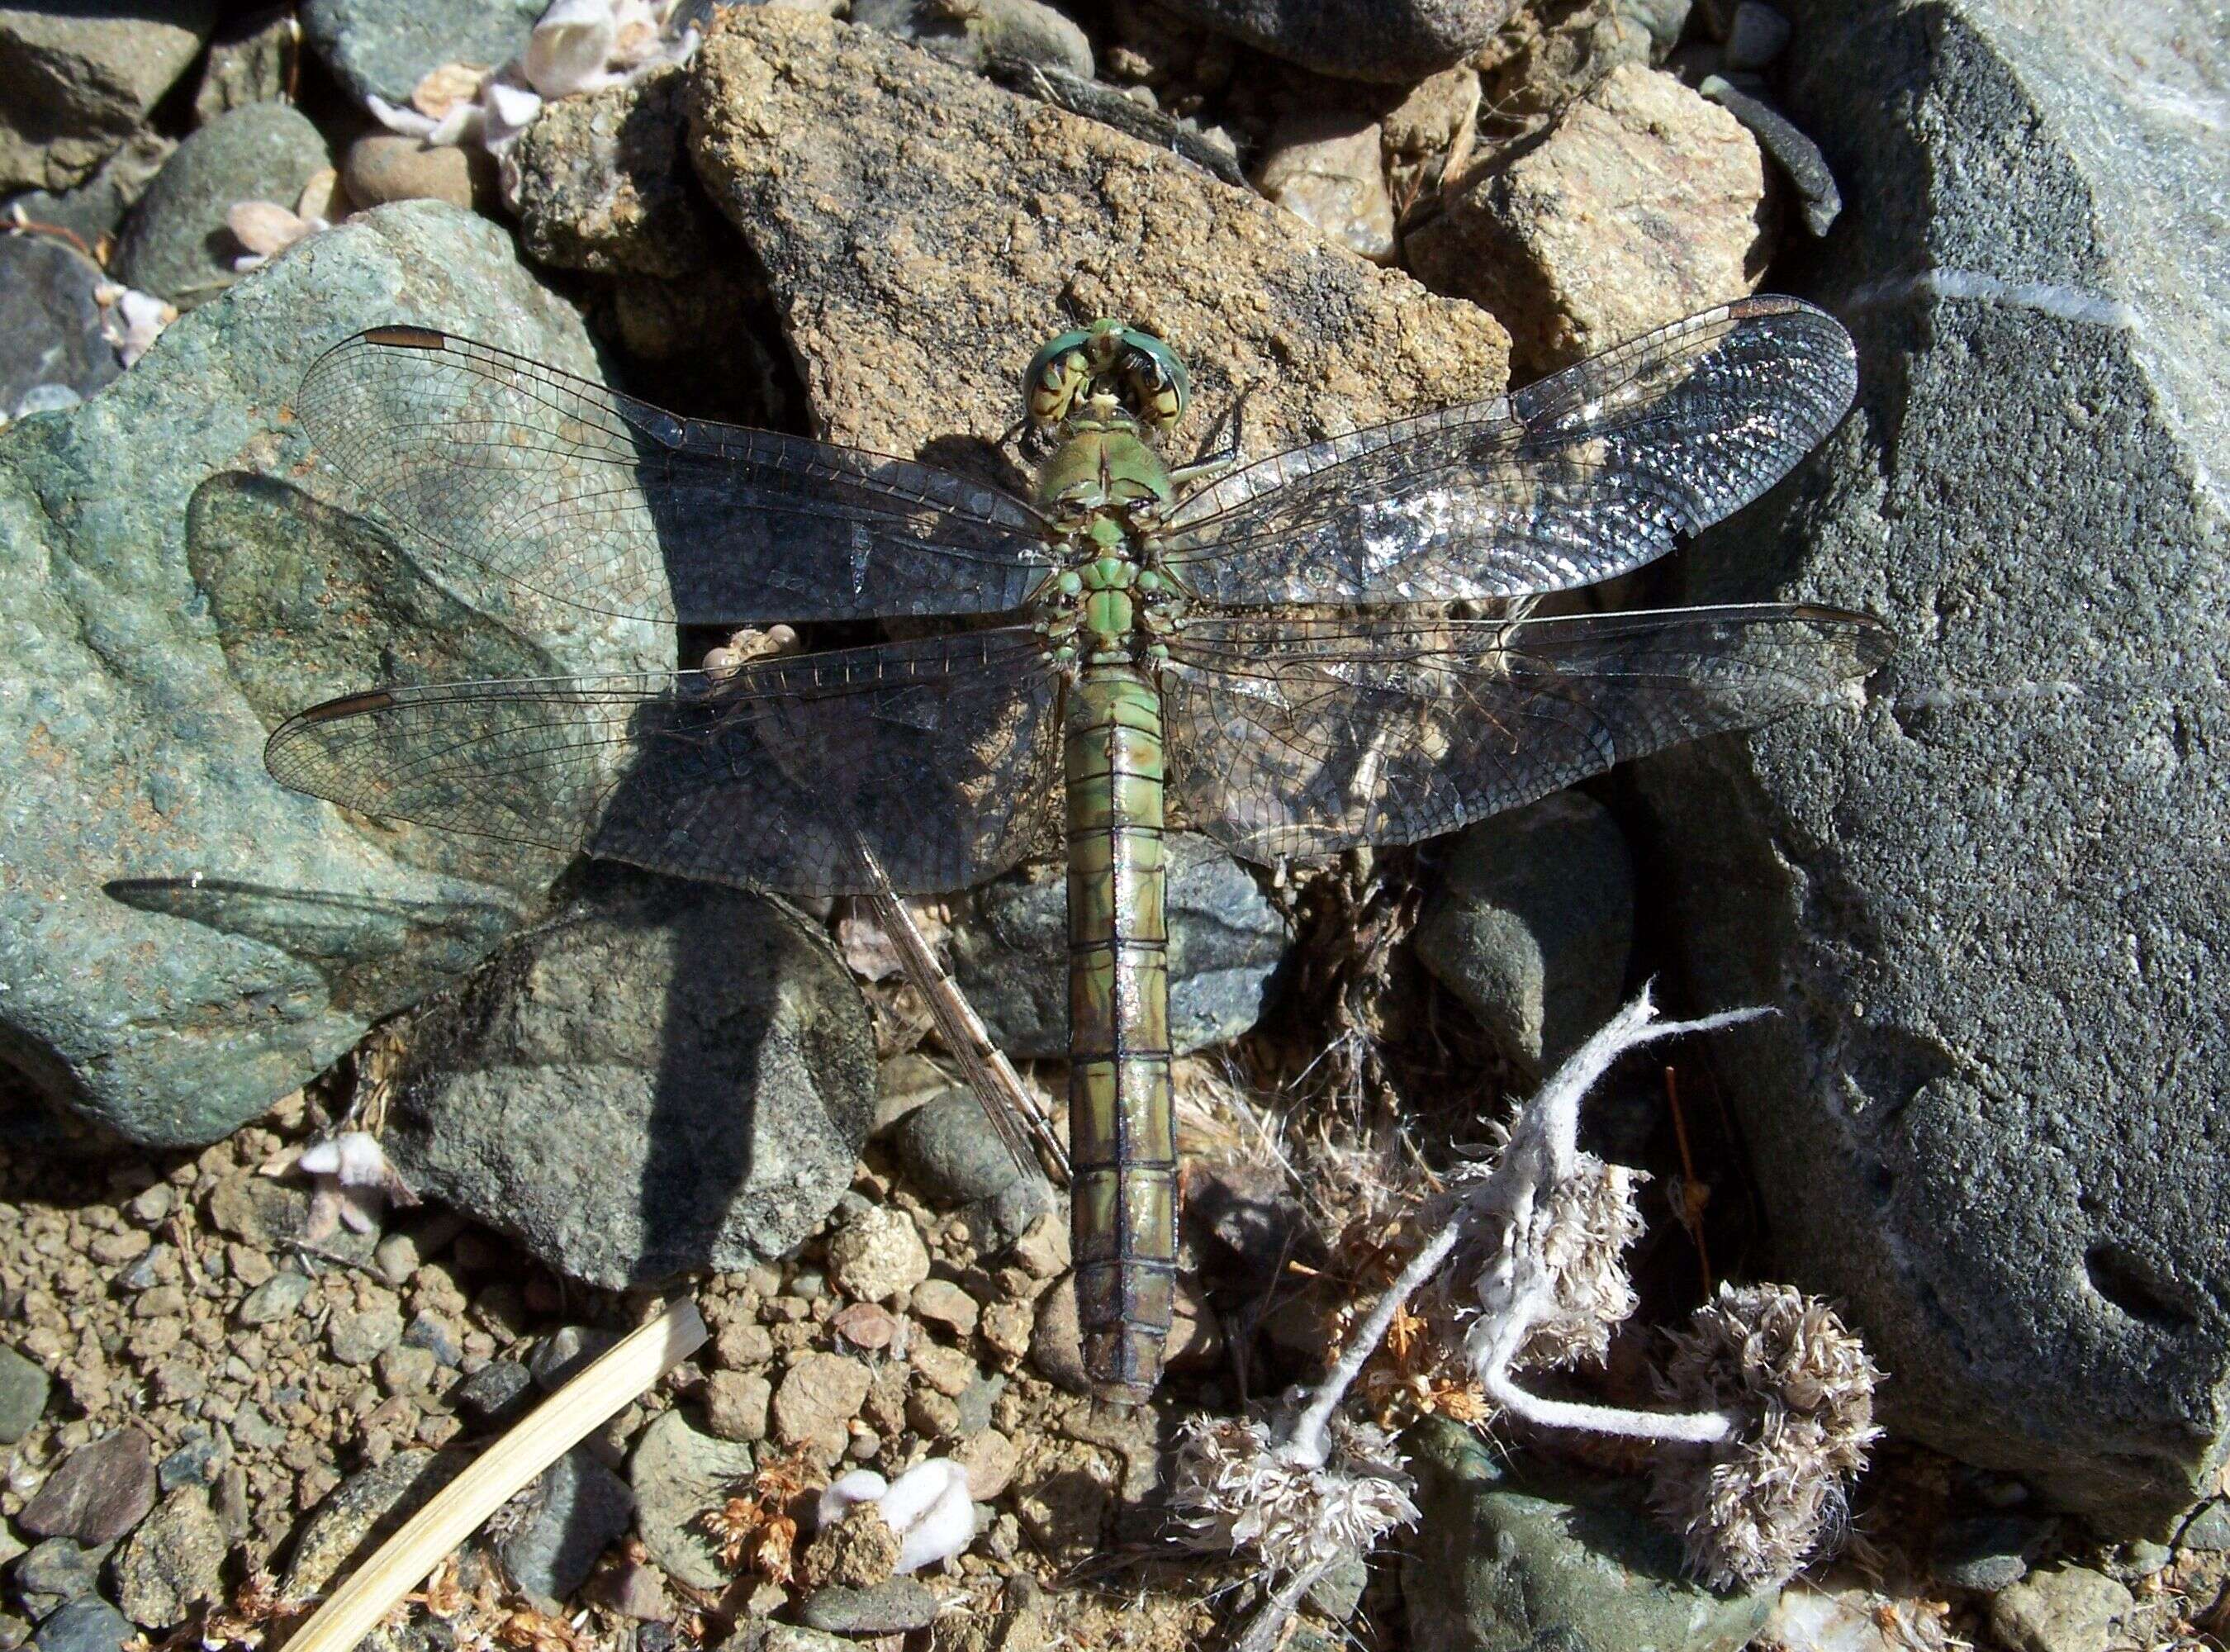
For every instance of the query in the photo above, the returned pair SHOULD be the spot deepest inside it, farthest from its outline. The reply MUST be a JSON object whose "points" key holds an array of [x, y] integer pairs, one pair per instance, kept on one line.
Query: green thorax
{"points": [[1104, 493]]}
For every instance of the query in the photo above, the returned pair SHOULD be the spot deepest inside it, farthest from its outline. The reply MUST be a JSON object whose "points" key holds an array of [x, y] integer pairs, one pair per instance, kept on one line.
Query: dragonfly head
{"points": [[1140, 373]]}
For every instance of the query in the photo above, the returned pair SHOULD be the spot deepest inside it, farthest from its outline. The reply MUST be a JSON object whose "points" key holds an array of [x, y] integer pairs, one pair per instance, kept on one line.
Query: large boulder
{"points": [[1990, 1118], [182, 941]]}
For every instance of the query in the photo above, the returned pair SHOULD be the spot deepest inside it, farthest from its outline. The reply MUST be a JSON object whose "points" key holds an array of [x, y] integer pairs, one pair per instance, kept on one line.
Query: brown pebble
{"points": [[866, 1325], [382, 167], [942, 1302], [742, 1347], [100, 1491]]}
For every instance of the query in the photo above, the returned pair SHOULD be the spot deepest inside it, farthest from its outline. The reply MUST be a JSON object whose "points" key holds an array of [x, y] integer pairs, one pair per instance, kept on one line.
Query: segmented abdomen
{"points": [[1122, 1128]]}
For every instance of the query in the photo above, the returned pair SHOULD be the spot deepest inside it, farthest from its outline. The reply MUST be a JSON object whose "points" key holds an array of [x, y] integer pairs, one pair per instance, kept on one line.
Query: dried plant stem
{"points": [[612, 1380], [1310, 1441], [1263, 1630]]}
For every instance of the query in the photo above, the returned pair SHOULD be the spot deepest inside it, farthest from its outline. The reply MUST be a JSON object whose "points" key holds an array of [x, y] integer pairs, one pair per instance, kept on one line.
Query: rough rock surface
{"points": [[666, 1076], [181, 940], [1011, 957], [1400, 40], [1989, 1117], [175, 243], [604, 184], [80, 77], [833, 149], [678, 1471], [385, 46], [1641, 205], [50, 323], [1499, 1565]]}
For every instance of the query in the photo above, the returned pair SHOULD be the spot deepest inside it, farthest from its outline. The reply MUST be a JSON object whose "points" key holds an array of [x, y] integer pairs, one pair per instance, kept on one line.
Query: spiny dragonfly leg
{"points": [[1208, 463]]}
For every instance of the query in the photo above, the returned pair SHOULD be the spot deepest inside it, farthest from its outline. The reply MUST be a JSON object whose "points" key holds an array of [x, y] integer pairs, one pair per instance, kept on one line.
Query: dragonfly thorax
{"points": [[1104, 492]]}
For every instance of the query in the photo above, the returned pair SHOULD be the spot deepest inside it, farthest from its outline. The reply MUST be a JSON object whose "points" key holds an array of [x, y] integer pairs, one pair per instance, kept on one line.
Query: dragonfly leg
{"points": [[1209, 461]]}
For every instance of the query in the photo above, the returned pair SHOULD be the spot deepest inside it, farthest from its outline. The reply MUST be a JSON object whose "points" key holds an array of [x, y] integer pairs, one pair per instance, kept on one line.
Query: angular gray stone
{"points": [[1532, 924], [80, 77], [1564, 1560], [577, 1509], [59, 1569], [50, 325], [175, 244], [678, 1471], [86, 1625], [1991, 909], [667, 1076], [1398, 40], [386, 47], [24, 1388], [497, 1392], [182, 941], [1986, 1551], [1226, 939]]}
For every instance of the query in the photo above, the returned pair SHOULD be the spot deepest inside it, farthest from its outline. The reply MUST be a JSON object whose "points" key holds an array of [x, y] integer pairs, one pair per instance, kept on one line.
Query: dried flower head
{"points": [[1592, 1220], [1235, 1486], [758, 1526], [1752, 1508]]}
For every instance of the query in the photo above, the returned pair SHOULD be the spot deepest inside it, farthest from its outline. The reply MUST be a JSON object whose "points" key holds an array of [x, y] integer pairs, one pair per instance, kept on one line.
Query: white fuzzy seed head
{"points": [[1235, 1488], [1591, 1220], [1752, 1509]]}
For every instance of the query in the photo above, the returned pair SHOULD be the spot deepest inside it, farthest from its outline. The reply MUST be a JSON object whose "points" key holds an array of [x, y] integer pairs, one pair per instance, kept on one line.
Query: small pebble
{"points": [[86, 1625], [197, 1462], [638, 1591], [437, 1336], [866, 1326], [153, 1204], [948, 1371], [359, 1336], [816, 1397], [24, 1389], [877, 1254], [742, 1347], [565, 1351], [736, 1404], [1756, 37], [941, 1302], [497, 1392], [56, 1571], [893, 1608], [276, 1299]]}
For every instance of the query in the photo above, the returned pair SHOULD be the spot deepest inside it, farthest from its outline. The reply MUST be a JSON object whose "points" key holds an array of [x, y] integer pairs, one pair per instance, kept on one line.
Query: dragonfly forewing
{"points": [[1305, 738], [1590, 473], [615, 507]]}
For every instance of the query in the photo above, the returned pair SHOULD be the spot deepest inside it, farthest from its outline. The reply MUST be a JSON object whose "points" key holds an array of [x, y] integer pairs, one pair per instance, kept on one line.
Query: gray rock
{"points": [[497, 1392], [82, 77], [667, 1076], [1008, 33], [183, 942], [678, 1471], [385, 48], [1532, 924], [562, 1353], [950, 1153], [1991, 1110], [251, 60], [2069, 1608], [890, 1608], [1011, 955], [1986, 1551], [1799, 159], [86, 1625], [24, 1388], [359, 1336], [604, 184], [1566, 1561], [1338, 1593], [1757, 34], [1397, 41], [55, 1571], [198, 1461], [173, 1562], [576, 1510], [2209, 1529], [96, 207], [363, 1510], [97, 1494], [273, 1299], [50, 325], [436, 1335], [175, 244]]}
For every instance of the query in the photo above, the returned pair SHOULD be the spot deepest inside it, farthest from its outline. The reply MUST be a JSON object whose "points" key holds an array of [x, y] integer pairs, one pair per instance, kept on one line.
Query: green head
{"points": [[1107, 358]]}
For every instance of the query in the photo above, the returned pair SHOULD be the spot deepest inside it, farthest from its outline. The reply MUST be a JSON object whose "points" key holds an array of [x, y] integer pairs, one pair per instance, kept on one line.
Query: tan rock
{"points": [[1644, 203], [381, 167]]}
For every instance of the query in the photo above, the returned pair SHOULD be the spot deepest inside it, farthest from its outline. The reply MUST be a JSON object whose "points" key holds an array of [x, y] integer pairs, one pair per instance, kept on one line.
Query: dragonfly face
{"points": [[1151, 668]]}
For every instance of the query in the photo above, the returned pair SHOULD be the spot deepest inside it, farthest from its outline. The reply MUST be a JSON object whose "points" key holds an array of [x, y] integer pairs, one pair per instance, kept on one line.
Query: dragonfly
{"points": [[1327, 647]]}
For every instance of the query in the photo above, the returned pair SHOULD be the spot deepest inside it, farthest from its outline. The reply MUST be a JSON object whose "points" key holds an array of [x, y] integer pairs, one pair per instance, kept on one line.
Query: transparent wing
{"points": [[941, 756], [612, 506], [1589, 472], [1307, 737]]}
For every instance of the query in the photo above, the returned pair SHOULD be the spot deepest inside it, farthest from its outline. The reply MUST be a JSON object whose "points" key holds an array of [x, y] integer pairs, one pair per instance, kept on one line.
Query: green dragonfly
{"points": [[1279, 654]]}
